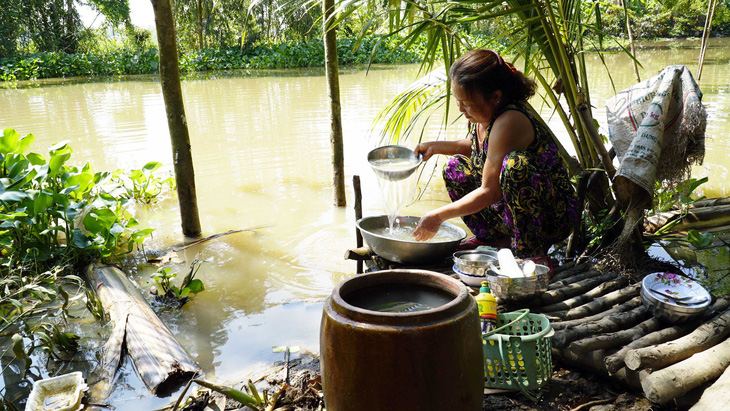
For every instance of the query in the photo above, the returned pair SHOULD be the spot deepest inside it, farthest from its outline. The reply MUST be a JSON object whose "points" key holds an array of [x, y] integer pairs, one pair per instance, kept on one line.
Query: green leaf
{"points": [[196, 286], [9, 141], [25, 143], [36, 159], [80, 239], [152, 166], [700, 240], [13, 196], [57, 162]]}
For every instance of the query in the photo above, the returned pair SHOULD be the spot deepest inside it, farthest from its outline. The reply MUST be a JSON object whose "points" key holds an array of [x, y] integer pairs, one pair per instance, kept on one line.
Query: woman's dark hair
{"points": [[484, 72]]}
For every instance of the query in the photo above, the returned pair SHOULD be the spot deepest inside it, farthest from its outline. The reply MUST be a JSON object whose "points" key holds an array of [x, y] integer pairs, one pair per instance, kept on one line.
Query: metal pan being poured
{"points": [[393, 163]]}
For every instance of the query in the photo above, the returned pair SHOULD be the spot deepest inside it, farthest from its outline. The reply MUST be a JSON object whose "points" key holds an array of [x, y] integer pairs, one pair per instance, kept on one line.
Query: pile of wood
{"points": [[601, 324]]}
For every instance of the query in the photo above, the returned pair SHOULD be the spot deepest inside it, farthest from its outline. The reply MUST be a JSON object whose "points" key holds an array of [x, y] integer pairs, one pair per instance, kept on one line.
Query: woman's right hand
{"points": [[425, 149]]}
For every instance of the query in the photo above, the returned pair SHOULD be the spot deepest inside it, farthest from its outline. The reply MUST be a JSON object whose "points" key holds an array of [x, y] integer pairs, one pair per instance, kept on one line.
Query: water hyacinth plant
{"points": [[55, 217]]}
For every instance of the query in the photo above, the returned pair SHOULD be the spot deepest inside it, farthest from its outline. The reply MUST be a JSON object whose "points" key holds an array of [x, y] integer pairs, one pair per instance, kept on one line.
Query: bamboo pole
{"points": [[630, 34], [706, 35], [162, 363], [176, 119], [333, 92]]}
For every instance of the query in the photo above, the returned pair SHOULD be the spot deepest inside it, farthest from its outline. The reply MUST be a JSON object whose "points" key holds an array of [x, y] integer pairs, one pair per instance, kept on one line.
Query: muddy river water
{"points": [[261, 151]]}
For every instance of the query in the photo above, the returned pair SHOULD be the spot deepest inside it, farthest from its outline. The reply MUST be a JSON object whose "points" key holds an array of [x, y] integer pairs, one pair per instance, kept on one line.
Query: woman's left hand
{"points": [[427, 227]]}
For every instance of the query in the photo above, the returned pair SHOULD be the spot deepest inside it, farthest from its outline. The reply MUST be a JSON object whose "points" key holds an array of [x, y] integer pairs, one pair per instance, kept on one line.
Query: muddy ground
{"points": [[569, 389]]}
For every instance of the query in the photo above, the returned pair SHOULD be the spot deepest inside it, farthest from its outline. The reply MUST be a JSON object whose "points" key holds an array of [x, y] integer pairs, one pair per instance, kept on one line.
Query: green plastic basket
{"points": [[517, 353]]}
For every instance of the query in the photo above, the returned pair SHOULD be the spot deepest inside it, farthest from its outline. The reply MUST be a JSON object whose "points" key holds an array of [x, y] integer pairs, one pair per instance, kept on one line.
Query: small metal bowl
{"points": [[510, 289], [474, 262], [378, 158], [668, 309]]}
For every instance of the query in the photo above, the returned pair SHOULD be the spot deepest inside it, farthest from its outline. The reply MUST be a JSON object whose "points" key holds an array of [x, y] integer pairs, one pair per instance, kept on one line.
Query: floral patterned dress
{"points": [[539, 207]]}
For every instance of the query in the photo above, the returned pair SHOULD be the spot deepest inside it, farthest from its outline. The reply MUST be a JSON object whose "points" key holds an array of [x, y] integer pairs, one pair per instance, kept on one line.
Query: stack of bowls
{"points": [[472, 265], [509, 289]]}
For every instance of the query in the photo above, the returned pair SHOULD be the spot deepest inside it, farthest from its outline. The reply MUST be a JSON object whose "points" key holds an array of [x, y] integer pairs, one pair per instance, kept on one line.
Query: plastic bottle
{"points": [[487, 308]]}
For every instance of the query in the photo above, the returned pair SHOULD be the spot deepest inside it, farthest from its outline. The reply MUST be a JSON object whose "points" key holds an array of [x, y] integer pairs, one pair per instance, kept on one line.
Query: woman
{"points": [[506, 179]]}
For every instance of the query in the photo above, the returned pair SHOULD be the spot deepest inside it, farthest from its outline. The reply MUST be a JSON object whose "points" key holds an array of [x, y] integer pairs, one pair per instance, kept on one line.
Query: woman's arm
{"points": [[429, 148], [512, 131]]}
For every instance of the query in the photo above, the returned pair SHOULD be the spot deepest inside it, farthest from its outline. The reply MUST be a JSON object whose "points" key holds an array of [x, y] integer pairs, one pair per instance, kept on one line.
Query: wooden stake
{"points": [[358, 215]]}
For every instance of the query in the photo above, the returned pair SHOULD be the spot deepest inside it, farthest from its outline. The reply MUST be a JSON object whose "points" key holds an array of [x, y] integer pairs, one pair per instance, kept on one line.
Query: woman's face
{"points": [[475, 107]]}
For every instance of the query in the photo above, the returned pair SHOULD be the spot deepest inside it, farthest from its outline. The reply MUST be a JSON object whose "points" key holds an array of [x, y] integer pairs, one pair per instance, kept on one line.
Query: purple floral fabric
{"points": [[539, 206]]}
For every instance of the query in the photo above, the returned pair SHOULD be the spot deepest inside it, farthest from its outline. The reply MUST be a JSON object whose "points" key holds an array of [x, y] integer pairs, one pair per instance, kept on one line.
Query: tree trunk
{"points": [[200, 25], [176, 120], [333, 92]]}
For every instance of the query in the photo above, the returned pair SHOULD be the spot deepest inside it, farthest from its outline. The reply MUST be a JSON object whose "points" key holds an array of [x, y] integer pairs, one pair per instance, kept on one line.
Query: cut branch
{"points": [[678, 379], [613, 322], [620, 308], [705, 336]]}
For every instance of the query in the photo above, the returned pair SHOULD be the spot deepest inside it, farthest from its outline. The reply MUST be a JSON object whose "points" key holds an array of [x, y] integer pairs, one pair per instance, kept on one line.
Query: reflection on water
{"points": [[262, 159]]}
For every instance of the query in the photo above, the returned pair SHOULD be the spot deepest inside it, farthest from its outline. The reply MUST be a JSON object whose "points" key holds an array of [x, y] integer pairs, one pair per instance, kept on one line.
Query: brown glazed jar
{"points": [[420, 360]]}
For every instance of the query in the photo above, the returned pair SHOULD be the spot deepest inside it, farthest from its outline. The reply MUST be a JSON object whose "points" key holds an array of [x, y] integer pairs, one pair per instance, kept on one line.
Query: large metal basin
{"points": [[408, 251]]}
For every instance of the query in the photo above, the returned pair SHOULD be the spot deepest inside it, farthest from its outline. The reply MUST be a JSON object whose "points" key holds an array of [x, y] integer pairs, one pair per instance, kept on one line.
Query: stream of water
{"points": [[262, 159]]}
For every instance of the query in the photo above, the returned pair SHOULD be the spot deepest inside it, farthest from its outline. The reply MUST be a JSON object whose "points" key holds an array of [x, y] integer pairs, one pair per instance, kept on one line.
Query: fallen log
{"points": [[589, 295], [678, 379], [716, 394], [560, 268], [599, 304], [613, 322], [161, 361], [698, 219], [705, 336], [581, 275], [626, 306], [572, 290], [616, 361], [616, 339], [593, 361], [561, 273]]}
